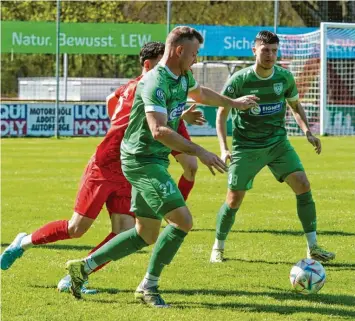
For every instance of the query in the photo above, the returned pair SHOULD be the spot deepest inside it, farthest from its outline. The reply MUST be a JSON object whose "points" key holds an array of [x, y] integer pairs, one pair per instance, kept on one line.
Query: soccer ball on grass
{"points": [[307, 276]]}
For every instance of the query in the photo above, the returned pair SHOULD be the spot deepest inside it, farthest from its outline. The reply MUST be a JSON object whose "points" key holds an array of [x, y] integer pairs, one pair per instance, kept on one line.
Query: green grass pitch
{"points": [[39, 183]]}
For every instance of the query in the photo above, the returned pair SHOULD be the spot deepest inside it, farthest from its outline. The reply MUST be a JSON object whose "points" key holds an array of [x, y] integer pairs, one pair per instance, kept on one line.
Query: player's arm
{"points": [[292, 98], [112, 101], [221, 127], [301, 119], [207, 96], [157, 123]]}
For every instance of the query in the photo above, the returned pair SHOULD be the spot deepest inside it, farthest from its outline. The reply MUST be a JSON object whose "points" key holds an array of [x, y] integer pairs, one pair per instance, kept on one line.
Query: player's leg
{"points": [[122, 219], [286, 166], [225, 221], [143, 234], [188, 163], [242, 170], [187, 179]]}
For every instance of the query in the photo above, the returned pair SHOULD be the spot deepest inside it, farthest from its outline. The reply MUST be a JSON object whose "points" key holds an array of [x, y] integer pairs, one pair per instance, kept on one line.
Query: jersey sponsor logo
{"points": [[266, 109], [278, 87], [183, 84], [255, 91], [160, 94], [230, 89], [176, 112]]}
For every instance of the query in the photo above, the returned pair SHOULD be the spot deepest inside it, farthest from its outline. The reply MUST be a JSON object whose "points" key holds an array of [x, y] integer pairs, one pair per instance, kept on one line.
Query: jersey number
{"points": [[167, 188]]}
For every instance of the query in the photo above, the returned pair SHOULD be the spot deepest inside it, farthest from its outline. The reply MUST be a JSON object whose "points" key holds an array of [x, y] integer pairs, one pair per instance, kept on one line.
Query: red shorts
{"points": [[96, 189], [182, 130]]}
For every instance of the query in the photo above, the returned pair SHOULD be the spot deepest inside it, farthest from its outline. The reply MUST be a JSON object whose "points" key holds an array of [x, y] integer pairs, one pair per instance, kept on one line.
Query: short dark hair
{"points": [[181, 33], [151, 50], [267, 37]]}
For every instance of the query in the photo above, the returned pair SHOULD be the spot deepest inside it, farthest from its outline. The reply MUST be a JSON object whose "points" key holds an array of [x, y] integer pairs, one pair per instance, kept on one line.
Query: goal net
{"points": [[323, 63]]}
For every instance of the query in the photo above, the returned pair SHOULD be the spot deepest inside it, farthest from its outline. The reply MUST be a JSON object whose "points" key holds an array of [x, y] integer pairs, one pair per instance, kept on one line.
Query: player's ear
{"points": [[179, 50], [146, 64], [254, 50]]}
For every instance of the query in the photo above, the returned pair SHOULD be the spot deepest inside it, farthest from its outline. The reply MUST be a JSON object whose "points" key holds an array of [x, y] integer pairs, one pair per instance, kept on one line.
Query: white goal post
{"points": [[323, 63], [333, 35]]}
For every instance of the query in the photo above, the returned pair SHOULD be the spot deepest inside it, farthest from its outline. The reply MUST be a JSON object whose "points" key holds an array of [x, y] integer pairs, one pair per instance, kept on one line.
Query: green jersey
{"points": [[160, 91], [264, 125]]}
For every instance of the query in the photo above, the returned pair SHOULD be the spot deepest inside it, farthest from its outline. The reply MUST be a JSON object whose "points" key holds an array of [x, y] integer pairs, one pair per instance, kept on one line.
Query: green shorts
{"points": [[154, 192], [281, 159]]}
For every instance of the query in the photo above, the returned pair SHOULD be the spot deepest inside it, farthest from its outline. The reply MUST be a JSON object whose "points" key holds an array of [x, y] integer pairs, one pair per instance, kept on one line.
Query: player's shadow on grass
{"points": [[280, 295], [280, 232], [333, 266], [66, 247], [266, 308]]}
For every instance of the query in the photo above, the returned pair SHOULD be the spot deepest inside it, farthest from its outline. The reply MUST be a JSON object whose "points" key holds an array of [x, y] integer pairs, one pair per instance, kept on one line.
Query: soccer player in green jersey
{"points": [[260, 139], [151, 134]]}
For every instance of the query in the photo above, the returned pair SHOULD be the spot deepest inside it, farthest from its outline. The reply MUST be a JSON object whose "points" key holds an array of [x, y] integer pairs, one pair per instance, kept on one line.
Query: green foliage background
{"points": [[231, 13]]}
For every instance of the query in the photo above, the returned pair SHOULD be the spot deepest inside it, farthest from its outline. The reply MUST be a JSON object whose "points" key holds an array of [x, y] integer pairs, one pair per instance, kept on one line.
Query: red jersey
{"points": [[119, 107]]}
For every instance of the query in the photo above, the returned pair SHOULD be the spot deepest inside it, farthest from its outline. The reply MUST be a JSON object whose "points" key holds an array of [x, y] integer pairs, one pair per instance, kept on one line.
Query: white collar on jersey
{"points": [[169, 71], [261, 78]]}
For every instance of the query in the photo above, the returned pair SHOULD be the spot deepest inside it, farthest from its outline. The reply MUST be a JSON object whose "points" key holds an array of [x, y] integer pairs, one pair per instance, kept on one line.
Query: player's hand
{"points": [[225, 156], [315, 142], [193, 116], [212, 161], [246, 102]]}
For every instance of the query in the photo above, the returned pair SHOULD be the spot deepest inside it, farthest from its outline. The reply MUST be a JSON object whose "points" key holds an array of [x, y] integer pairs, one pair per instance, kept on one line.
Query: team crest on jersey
{"points": [[230, 89], [183, 84], [160, 94], [278, 87]]}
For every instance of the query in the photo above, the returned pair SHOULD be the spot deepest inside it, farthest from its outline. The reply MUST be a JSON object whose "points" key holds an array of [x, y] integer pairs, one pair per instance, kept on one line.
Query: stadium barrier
{"points": [[22, 119]]}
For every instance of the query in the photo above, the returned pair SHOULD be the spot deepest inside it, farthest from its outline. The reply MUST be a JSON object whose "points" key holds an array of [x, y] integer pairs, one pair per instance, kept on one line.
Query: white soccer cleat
{"points": [[217, 256], [315, 252]]}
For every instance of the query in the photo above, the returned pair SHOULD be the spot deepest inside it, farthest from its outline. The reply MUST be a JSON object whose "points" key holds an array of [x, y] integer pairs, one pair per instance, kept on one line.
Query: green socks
{"points": [[225, 221], [167, 245], [306, 210], [120, 246]]}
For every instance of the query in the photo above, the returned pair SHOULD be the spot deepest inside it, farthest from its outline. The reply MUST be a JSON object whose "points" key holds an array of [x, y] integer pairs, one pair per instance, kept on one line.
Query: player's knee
{"points": [[304, 185], [187, 225], [76, 231], [149, 238], [235, 199], [191, 170]]}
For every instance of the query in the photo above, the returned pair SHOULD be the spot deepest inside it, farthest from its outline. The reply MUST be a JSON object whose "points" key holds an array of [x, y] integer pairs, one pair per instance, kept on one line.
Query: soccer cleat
{"points": [[217, 256], [65, 283], [78, 276], [151, 297], [12, 252], [315, 252]]}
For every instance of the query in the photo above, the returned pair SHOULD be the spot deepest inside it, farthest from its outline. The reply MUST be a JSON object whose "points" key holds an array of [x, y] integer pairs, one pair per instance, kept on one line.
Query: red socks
{"points": [[185, 186], [51, 232], [108, 237]]}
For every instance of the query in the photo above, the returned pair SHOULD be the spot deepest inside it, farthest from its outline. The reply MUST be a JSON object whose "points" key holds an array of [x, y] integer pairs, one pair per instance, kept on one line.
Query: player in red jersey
{"points": [[103, 180]]}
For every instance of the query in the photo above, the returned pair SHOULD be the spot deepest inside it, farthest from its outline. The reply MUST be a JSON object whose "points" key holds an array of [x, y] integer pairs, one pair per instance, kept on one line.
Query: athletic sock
{"points": [[225, 221], [149, 281], [26, 242], [218, 244], [311, 239], [306, 210], [185, 186], [107, 238], [51, 232], [118, 247], [167, 245]]}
